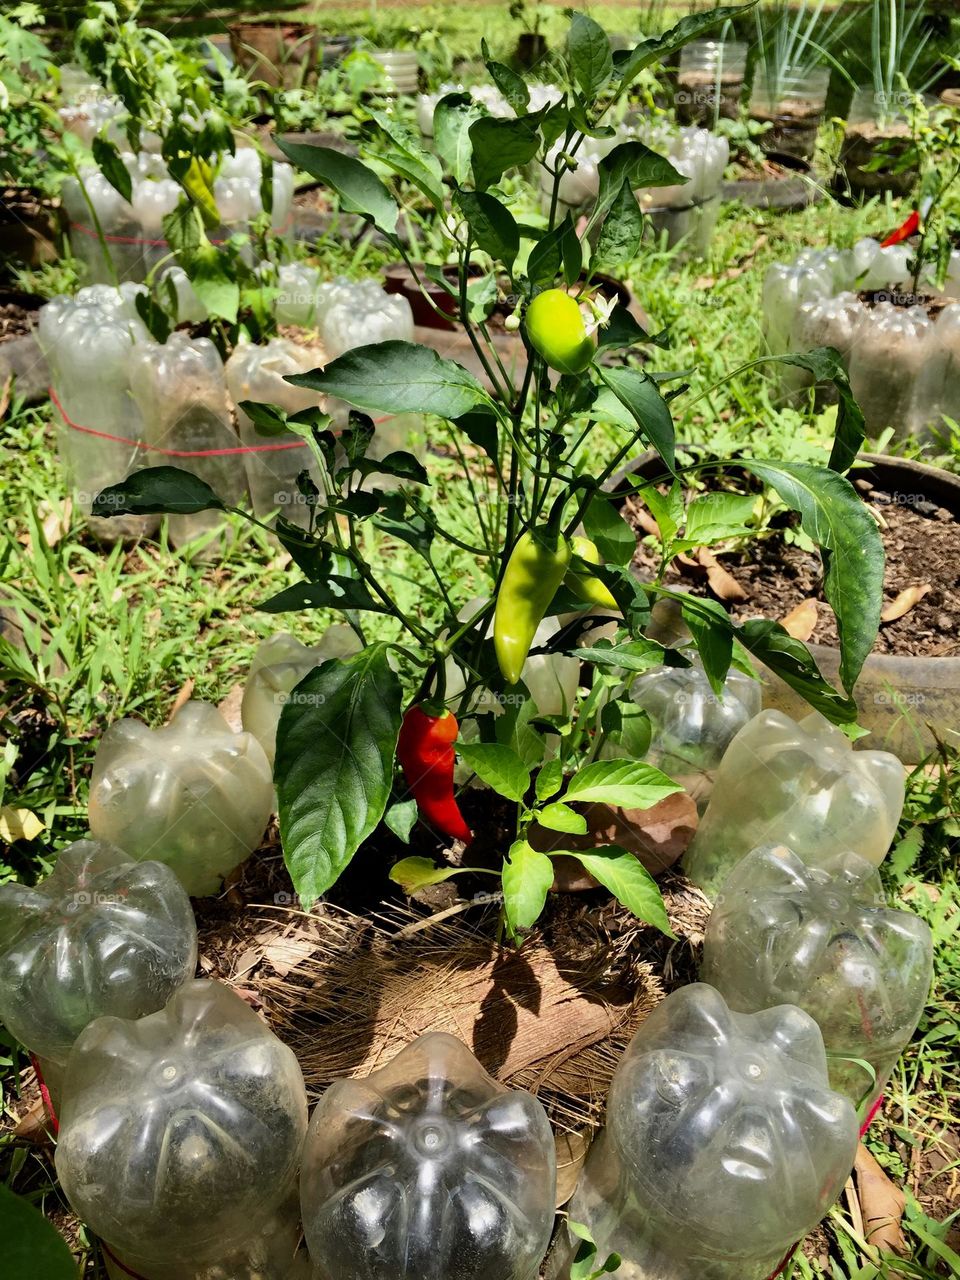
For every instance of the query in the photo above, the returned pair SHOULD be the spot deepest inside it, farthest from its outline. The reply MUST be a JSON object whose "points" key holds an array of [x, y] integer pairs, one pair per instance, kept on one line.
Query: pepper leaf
{"points": [[605, 526], [417, 873], [792, 661], [641, 396], [498, 766], [500, 144], [330, 592], [619, 241], [629, 882], [591, 59], [632, 62], [527, 877], [560, 817], [627, 783], [832, 515], [359, 188], [397, 377], [32, 1246], [826, 365], [157, 490], [336, 743], [453, 117], [493, 225], [107, 156]]}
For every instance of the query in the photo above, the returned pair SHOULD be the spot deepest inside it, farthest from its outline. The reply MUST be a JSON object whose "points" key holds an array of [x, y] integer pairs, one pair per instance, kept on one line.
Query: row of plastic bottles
{"points": [[133, 244], [903, 360], [182, 1115], [126, 402]]}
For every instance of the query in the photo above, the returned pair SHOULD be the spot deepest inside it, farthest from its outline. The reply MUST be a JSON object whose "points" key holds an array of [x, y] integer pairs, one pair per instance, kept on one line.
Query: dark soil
{"points": [[922, 545], [746, 169], [15, 321]]}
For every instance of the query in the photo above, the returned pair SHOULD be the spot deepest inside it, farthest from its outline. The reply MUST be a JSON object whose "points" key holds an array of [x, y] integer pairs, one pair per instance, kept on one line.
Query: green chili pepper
{"points": [[535, 570], [585, 585]]}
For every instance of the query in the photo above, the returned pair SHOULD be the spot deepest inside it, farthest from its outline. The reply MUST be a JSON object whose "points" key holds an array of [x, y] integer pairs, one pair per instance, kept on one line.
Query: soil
{"points": [[922, 545], [15, 321], [746, 169], [314, 199]]}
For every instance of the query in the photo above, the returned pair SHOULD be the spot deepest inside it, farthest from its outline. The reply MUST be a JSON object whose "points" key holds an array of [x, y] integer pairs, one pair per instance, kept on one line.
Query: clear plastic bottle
{"points": [[710, 81], [257, 372], [298, 299], [801, 785], [181, 392], [823, 938], [122, 258], [88, 342], [691, 725], [936, 391], [785, 287], [724, 1143], [180, 1133], [192, 794], [278, 666], [355, 313], [792, 103], [428, 1170], [823, 322], [102, 934], [892, 347]]}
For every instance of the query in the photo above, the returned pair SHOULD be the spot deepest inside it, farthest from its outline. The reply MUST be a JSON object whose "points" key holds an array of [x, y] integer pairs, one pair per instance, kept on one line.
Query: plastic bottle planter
{"points": [[87, 342], [724, 1144], [180, 1133], [122, 259], [688, 212], [354, 313], [272, 1252], [182, 395], [710, 81], [792, 105], [785, 287], [278, 666], [801, 785], [893, 345], [822, 938], [102, 934], [193, 794], [691, 726], [936, 394], [299, 289], [256, 372], [428, 1170]]}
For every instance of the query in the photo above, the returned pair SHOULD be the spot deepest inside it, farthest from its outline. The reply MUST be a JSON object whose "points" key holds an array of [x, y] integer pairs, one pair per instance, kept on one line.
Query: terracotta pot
{"points": [[20, 356], [281, 54], [906, 702], [448, 340]]}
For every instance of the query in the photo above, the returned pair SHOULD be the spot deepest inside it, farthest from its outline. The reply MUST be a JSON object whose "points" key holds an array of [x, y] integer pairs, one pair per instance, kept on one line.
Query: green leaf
{"points": [[527, 877], [482, 428], [619, 241], [183, 228], [623, 330], [453, 117], [397, 377], [416, 873], [332, 592], [336, 743], [715, 516], [409, 158], [401, 818], [633, 163], [632, 655], [549, 780], [832, 515], [359, 189], [627, 783], [792, 661], [826, 365], [666, 508], [591, 59], [153, 316], [559, 250], [604, 524], [156, 490], [626, 727], [107, 156], [267, 418], [641, 396], [498, 766], [560, 817], [493, 226], [214, 282], [515, 729], [500, 144], [629, 882], [712, 632], [648, 52], [32, 1246], [512, 86]]}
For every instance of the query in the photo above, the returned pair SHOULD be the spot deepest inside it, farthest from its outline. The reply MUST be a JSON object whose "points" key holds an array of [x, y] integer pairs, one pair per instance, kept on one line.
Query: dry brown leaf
{"points": [[286, 953], [18, 824], [5, 397], [904, 602], [55, 523], [881, 1203], [657, 837], [230, 708], [722, 583], [182, 698], [801, 621], [646, 522]]}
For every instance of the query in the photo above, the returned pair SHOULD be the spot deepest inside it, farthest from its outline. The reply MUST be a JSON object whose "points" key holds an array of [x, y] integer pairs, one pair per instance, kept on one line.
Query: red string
{"points": [[172, 453], [45, 1095], [122, 1265]]}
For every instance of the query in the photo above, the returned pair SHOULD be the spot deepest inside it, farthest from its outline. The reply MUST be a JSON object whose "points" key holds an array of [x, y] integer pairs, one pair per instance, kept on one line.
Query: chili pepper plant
{"points": [[553, 543]]}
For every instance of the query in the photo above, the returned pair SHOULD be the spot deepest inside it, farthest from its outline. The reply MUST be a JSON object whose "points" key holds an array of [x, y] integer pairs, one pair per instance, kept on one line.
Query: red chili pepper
{"points": [[427, 758], [903, 232]]}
